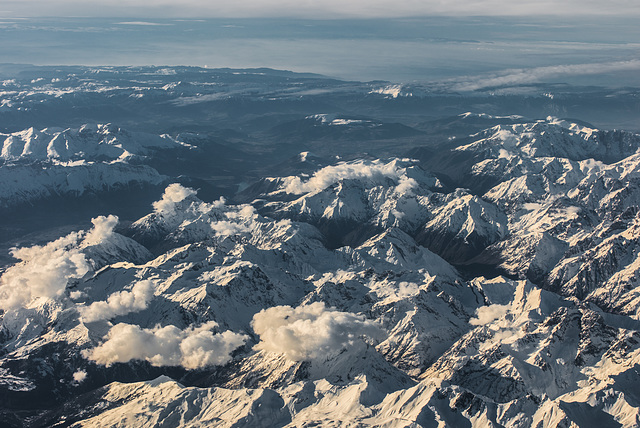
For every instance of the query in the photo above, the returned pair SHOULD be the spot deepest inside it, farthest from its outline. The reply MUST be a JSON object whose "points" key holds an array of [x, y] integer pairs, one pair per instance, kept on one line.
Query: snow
{"points": [[281, 329], [392, 91], [488, 345], [89, 142], [336, 120]]}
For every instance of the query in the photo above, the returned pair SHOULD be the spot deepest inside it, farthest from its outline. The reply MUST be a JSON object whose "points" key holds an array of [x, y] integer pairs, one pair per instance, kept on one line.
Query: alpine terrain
{"points": [[259, 248]]}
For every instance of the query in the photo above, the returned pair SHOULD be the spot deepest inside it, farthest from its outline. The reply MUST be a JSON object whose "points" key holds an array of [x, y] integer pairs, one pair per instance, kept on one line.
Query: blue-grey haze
{"points": [[598, 51]]}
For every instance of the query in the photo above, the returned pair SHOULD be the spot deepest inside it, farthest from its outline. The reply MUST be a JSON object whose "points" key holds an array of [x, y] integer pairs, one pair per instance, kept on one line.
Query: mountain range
{"points": [[487, 274]]}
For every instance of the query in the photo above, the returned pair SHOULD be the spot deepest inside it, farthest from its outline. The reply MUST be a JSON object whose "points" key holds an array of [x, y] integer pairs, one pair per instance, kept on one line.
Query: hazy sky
{"points": [[313, 9]]}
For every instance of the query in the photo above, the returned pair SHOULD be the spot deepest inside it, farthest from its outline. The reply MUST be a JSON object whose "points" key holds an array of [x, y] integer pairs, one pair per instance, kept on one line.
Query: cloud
{"points": [[330, 175], [488, 314], [120, 303], [43, 271], [173, 194], [407, 289], [540, 74], [227, 228], [246, 212], [207, 349], [79, 376], [102, 230], [143, 23], [406, 186], [191, 348], [310, 331]]}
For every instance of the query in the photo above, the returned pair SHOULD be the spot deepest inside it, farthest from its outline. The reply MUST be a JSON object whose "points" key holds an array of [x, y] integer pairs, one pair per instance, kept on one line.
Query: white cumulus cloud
{"points": [[120, 303], [79, 376], [329, 175], [310, 331], [488, 314], [191, 348], [43, 271], [173, 194], [406, 186], [227, 228], [102, 230]]}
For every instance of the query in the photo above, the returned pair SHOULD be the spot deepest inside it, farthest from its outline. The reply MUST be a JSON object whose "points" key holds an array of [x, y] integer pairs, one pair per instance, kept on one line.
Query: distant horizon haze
{"points": [[327, 9], [460, 53]]}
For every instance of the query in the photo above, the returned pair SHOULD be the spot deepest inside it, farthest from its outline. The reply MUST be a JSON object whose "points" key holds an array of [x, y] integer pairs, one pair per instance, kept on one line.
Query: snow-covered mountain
{"points": [[39, 164], [261, 309], [553, 138], [97, 142], [492, 280]]}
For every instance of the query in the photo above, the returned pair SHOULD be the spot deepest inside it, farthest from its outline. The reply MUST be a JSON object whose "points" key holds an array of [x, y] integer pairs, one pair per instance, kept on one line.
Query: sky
{"points": [[465, 53], [467, 44], [325, 9]]}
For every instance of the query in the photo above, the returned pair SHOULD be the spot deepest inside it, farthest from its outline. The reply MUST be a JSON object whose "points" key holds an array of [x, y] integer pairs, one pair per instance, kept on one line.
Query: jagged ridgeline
{"points": [[271, 249]]}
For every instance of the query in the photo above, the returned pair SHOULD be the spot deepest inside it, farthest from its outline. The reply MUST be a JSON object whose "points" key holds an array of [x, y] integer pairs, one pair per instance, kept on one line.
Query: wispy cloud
{"points": [[539, 74], [143, 23]]}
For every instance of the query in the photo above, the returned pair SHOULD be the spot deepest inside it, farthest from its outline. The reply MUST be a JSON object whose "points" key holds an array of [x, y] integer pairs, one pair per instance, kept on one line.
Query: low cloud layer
{"points": [[310, 331], [120, 303], [191, 348]]}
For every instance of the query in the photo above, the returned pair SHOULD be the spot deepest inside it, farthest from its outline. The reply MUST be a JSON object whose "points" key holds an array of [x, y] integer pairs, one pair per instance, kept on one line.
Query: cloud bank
{"points": [[191, 348], [120, 303], [311, 331]]}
